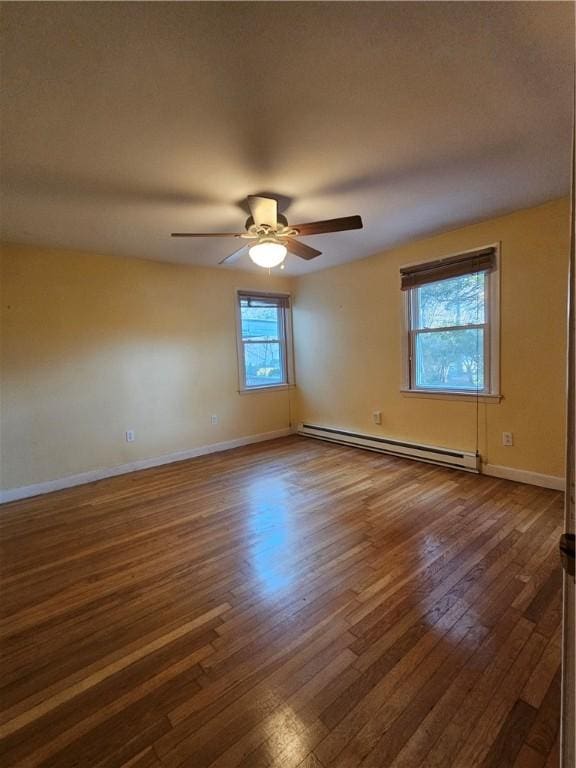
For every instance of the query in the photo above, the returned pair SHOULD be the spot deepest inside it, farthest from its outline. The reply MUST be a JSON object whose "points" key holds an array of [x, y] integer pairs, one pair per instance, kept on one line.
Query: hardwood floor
{"points": [[295, 604]]}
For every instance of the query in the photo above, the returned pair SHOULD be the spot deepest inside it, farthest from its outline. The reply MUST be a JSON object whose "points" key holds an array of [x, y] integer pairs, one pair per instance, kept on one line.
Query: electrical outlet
{"points": [[507, 438], [377, 417], [130, 436], [214, 419]]}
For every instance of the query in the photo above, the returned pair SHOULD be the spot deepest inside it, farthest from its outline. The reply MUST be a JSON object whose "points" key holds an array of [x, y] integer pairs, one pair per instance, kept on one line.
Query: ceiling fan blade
{"points": [[233, 257], [330, 225], [300, 249], [264, 210], [206, 234]]}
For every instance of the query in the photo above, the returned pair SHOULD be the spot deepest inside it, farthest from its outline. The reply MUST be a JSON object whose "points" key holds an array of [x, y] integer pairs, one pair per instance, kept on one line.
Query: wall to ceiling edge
{"points": [[94, 345], [348, 328]]}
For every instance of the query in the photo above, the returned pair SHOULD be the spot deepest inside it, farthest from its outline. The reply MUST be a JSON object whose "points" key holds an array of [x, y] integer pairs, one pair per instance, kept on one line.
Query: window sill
{"points": [[465, 396], [271, 388]]}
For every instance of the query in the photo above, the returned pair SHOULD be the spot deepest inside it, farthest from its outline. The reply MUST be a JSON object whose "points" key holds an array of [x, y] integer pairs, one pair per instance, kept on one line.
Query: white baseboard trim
{"points": [[26, 491], [523, 476]]}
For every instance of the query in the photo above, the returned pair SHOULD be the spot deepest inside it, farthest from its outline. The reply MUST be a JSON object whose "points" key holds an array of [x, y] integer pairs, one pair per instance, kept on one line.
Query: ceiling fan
{"points": [[273, 235]]}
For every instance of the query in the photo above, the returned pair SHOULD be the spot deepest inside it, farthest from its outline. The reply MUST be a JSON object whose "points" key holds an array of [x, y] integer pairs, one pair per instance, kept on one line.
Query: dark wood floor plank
{"points": [[488, 725], [508, 742], [553, 759], [361, 729], [544, 730], [447, 705], [529, 758], [69, 688], [293, 604]]}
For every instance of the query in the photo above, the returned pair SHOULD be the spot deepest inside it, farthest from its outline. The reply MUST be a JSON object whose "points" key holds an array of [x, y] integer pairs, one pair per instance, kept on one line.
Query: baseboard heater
{"points": [[446, 457]]}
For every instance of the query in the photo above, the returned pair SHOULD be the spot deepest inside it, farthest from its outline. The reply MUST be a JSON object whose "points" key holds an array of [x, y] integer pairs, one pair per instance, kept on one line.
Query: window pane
{"points": [[457, 301], [263, 364], [260, 323], [450, 359]]}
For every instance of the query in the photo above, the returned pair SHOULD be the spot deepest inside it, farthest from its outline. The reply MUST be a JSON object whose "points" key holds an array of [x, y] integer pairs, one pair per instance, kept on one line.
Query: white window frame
{"points": [[285, 341], [491, 391]]}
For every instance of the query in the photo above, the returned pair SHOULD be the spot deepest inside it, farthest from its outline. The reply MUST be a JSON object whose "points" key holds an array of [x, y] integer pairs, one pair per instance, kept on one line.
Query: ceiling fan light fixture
{"points": [[268, 253], [273, 236]]}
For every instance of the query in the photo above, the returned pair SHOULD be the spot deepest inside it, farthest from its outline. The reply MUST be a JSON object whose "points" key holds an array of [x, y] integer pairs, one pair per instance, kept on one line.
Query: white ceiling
{"points": [[126, 121]]}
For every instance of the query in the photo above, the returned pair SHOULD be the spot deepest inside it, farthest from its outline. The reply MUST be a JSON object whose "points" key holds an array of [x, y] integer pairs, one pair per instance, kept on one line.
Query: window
{"points": [[452, 334], [264, 340]]}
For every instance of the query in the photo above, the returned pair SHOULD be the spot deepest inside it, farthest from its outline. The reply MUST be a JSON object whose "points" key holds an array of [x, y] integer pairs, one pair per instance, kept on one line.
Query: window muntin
{"points": [[449, 335], [263, 341]]}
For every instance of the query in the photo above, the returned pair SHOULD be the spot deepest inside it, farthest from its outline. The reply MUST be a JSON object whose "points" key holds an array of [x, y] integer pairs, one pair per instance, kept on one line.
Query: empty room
{"points": [[287, 384]]}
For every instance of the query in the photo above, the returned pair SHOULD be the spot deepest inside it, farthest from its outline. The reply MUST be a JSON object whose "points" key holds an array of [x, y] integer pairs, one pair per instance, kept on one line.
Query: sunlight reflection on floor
{"points": [[272, 535], [286, 733]]}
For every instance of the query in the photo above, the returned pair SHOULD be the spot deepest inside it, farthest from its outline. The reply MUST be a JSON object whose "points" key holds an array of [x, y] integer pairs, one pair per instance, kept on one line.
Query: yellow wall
{"points": [[348, 330], [94, 345]]}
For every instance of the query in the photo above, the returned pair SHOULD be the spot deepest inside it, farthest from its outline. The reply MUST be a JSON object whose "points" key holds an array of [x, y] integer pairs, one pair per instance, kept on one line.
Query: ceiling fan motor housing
{"points": [[281, 219], [271, 238]]}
